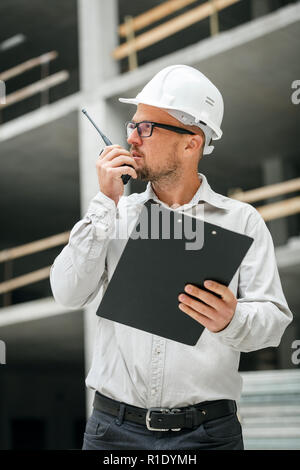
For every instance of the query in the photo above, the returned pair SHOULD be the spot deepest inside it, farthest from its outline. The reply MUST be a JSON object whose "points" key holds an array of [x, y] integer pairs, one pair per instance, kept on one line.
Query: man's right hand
{"points": [[110, 169]]}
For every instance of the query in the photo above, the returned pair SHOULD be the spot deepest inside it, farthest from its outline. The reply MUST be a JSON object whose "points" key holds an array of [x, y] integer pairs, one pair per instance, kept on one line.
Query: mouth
{"points": [[136, 156]]}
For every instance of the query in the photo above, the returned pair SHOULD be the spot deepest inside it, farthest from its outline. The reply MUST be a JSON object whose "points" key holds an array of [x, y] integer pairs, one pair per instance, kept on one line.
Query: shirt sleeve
{"points": [[262, 313], [78, 272]]}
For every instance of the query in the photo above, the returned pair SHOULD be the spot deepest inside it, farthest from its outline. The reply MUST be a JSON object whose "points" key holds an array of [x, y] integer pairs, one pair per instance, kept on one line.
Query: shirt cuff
{"points": [[237, 322]]}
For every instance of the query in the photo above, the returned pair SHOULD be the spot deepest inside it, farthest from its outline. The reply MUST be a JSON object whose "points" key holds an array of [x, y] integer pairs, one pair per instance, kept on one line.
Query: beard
{"points": [[167, 170]]}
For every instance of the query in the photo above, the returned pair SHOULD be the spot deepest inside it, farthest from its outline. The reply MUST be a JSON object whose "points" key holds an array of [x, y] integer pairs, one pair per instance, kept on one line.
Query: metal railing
{"points": [[6, 256], [41, 86], [273, 210]]}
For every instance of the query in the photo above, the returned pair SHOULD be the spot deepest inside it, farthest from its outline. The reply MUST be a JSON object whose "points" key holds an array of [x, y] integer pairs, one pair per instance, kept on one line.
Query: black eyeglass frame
{"points": [[179, 130]]}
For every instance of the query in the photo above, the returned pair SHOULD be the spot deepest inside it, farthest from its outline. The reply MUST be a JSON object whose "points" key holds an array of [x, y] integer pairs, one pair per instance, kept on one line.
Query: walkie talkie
{"points": [[125, 178]]}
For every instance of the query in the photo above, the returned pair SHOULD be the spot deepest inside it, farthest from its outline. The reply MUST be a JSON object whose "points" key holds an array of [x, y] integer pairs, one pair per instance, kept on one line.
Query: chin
{"points": [[143, 177]]}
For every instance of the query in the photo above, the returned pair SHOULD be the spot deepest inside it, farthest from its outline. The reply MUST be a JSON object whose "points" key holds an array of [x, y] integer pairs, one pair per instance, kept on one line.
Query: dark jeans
{"points": [[104, 432]]}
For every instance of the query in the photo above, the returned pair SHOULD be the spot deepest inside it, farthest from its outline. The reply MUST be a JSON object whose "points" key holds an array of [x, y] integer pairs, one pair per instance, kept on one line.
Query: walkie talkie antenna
{"points": [[125, 178], [106, 140]]}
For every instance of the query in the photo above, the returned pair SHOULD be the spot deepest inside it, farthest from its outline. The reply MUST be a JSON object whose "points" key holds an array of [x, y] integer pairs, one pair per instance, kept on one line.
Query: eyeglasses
{"points": [[145, 128]]}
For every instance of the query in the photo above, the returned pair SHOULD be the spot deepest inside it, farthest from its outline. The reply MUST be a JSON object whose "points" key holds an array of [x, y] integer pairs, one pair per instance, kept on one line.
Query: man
{"points": [[178, 113]]}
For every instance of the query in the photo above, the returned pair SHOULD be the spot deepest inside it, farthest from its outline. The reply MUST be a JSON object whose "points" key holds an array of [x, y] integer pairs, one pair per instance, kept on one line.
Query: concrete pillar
{"points": [[98, 21], [273, 172]]}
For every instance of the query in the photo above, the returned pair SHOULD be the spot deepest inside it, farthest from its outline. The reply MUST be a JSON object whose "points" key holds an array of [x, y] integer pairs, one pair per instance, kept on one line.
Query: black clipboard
{"points": [[143, 291]]}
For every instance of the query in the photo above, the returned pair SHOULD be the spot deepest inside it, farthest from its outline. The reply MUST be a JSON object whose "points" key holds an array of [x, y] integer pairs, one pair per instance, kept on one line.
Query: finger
{"points": [[117, 161], [198, 306], [206, 322], [113, 153], [107, 149], [209, 299], [218, 288], [123, 170]]}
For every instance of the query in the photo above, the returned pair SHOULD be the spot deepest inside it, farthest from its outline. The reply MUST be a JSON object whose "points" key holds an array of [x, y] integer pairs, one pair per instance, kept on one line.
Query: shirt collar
{"points": [[204, 193]]}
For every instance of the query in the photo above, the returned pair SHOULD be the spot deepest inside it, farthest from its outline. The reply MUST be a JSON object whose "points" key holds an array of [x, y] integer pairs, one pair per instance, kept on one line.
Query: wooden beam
{"points": [[132, 58], [29, 64], [21, 281], [35, 88], [155, 14], [170, 27], [280, 209], [269, 191], [214, 20], [34, 247]]}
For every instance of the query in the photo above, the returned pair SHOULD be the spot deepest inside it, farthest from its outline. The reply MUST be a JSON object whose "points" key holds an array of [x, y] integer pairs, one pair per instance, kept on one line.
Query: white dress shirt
{"points": [[146, 370]]}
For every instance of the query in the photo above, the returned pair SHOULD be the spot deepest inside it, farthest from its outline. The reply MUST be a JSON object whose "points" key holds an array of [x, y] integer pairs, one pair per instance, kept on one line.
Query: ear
{"points": [[194, 143]]}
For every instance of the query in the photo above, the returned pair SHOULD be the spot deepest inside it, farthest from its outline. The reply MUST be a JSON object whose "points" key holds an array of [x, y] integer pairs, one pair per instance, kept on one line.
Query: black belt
{"points": [[165, 419]]}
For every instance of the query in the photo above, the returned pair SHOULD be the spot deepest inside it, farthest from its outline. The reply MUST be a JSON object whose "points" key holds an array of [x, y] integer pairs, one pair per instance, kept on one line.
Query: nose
{"points": [[134, 138]]}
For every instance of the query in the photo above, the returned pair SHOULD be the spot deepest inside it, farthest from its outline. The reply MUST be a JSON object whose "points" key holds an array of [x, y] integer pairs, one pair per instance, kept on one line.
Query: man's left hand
{"points": [[217, 314]]}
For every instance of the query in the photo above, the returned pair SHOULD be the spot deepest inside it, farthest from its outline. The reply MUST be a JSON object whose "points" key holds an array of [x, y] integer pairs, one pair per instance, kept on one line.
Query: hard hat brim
{"points": [[217, 133]]}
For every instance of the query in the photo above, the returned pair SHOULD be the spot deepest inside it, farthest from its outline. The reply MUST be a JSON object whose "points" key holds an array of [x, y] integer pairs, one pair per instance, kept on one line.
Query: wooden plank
{"points": [[170, 27], [155, 14], [29, 64], [35, 88], [269, 191], [34, 247], [280, 209], [24, 280]]}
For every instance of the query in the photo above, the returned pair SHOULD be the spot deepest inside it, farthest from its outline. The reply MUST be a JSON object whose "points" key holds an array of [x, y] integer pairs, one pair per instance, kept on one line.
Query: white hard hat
{"points": [[189, 96]]}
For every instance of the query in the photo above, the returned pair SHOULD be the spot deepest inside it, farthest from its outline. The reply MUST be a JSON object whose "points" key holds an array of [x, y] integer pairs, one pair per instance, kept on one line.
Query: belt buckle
{"points": [[161, 410]]}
